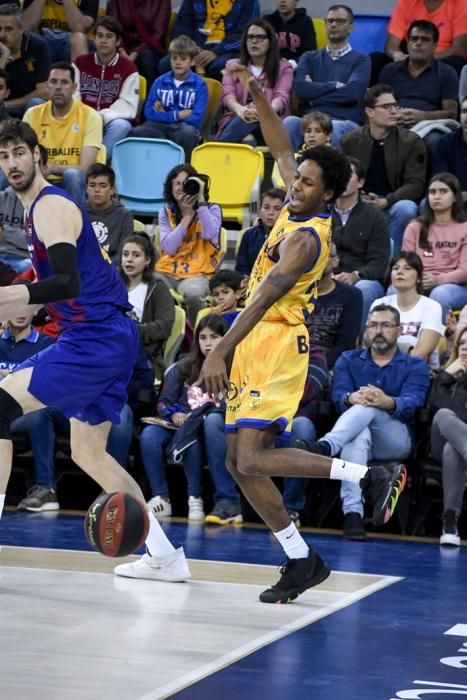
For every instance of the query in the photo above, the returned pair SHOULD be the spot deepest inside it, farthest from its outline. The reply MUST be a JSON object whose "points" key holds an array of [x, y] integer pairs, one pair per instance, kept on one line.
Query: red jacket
{"points": [[145, 23]]}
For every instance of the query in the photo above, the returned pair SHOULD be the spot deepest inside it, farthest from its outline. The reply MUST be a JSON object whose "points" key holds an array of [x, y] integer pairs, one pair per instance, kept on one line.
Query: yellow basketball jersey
{"points": [[290, 308]]}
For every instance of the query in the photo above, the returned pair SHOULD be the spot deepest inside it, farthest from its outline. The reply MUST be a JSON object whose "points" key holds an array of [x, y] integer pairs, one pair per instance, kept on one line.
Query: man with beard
{"points": [[376, 391]]}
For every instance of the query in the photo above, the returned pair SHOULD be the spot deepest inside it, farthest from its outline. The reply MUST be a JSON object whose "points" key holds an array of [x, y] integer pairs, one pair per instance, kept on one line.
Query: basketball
{"points": [[116, 524]]}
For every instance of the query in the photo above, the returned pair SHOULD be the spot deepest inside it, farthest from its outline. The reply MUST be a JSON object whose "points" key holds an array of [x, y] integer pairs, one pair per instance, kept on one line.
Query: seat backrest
{"points": [[370, 33], [138, 226], [236, 171], [176, 336], [212, 107], [320, 32], [276, 177], [143, 92], [141, 166]]}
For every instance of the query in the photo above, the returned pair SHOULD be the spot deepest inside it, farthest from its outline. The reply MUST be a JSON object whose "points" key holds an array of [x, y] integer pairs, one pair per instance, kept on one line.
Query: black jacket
{"points": [[295, 36]]}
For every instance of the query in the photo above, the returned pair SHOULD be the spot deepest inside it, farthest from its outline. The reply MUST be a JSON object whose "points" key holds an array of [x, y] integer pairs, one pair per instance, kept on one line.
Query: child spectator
{"points": [[111, 221], [177, 100], [226, 290], [253, 239], [153, 305], [317, 131], [189, 408], [294, 29]]}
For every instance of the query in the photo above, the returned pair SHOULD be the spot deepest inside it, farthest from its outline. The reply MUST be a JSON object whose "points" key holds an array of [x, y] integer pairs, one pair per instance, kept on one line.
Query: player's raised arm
{"points": [[272, 128]]}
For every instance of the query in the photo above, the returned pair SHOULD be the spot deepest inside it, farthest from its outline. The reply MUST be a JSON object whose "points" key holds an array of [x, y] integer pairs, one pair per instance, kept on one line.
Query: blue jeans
{"points": [[18, 264], [339, 128], [153, 441], [213, 69], [73, 182], [237, 129], [371, 290], [399, 215], [185, 135], [216, 451], [18, 112], [450, 296], [115, 131], [361, 434], [295, 488], [120, 437]]}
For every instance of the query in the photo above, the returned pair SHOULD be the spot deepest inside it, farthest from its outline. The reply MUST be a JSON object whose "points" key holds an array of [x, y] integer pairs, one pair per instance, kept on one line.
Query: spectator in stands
{"points": [[448, 397], [336, 320], [394, 159], [153, 305], [425, 89], [294, 29], [4, 92], [361, 236], [450, 18], [70, 131], [226, 291], [216, 28], [317, 131], [177, 100], [420, 317], [26, 59], [439, 237], [376, 391], [463, 85], [145, 26], [259, 51], [449, 153], [190, 230], [253, 238], [109, 83], [333, 79], [182, 404], [112, 222], [64, 25]]}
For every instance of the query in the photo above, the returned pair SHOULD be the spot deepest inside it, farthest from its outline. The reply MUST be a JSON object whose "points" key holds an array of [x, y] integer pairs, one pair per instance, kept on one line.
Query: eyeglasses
{"points": [[423, 38], [385, 326], [387, 106], [256, 37], [336, 20]]}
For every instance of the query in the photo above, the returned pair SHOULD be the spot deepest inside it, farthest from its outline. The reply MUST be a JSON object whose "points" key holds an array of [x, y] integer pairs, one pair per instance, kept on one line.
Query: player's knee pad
{"points": [[10, 409]]}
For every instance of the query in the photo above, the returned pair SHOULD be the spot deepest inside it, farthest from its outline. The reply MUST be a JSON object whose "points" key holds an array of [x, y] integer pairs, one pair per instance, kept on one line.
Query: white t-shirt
{"points": [[425, 315], [136, 298]]}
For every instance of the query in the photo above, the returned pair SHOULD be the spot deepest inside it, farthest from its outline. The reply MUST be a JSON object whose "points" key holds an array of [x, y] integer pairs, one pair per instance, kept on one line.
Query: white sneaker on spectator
{"points": [[162, 507], [195, 508], [173, 568]]}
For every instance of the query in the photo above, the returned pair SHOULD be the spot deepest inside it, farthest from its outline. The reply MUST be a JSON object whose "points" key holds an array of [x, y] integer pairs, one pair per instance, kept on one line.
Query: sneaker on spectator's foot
{"points": [[224, 514], [382, 486], [297, 576], [172, 568], [450, 533], [195, 508], [317, 447], [353, 527], [39, 498], [161, 507], [294, 516]]}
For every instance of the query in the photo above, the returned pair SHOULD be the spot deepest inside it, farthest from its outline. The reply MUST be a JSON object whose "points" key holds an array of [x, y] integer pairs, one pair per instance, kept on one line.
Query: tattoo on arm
{"points": [[281, 282]]}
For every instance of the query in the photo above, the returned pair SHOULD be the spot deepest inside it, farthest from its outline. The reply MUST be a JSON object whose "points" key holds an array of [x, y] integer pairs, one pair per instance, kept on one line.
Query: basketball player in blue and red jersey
{"points": [[263, 394], [86, 372]]}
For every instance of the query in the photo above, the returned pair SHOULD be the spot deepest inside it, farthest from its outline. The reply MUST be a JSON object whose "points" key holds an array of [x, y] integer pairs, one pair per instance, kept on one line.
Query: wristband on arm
{"points": [[65, 283]]}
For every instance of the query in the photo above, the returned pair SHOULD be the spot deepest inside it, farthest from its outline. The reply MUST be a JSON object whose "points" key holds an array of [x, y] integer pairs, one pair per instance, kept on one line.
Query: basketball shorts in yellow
{"points": [[268, 377]]}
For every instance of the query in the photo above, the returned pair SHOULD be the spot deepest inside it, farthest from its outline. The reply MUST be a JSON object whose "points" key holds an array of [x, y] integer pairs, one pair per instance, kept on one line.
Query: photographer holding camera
{"points": [[190, 228]]}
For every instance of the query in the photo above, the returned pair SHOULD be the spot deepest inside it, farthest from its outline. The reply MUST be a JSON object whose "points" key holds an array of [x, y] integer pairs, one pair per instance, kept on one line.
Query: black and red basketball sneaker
{"points": [[297, 576]]}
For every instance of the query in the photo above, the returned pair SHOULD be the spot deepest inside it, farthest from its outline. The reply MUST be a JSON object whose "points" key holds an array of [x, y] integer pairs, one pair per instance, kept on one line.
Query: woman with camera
{"points": [[190, 233]]}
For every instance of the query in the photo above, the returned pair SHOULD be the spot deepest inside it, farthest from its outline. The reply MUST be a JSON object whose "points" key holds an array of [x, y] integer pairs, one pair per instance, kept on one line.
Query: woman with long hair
{"points": [[448, 397], [190, 237], [439, 237], [420, 317], [259, 51]]}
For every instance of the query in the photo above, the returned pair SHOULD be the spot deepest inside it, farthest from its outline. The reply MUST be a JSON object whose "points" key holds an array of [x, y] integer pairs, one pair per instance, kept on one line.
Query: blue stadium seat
{"points": [[141, 166], [370, 33]]}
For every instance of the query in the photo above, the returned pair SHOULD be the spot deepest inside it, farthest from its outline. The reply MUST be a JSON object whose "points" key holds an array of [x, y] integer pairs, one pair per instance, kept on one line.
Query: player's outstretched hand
{"points": [[243, 74], [214, 376]]}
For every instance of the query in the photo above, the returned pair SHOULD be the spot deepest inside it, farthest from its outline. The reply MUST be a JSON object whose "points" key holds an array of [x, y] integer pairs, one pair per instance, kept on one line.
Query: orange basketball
{"points": [[116, 524]]}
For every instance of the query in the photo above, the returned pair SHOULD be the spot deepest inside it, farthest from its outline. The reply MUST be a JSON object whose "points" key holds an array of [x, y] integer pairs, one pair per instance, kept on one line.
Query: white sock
{"points": [[2, 503], [347, 471], [292, 542], [157, 542]]}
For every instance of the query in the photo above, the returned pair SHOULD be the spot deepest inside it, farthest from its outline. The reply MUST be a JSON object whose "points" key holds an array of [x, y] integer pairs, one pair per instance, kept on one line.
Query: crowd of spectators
{"points": [[381, 316]]}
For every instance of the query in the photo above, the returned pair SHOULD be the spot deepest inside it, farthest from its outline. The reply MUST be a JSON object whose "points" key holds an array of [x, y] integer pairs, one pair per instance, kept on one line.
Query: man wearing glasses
{"points": [[333, 79], [376, 391], [394, 158]]}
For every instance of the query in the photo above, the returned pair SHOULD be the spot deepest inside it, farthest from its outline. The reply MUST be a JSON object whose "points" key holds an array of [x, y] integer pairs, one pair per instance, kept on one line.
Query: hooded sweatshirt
{"points": [[13, 240], [296, 35], [111, 226]]}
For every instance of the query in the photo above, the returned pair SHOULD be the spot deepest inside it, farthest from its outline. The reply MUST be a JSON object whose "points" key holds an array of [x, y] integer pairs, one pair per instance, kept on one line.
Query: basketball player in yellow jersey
{"points": [[271, 356]]}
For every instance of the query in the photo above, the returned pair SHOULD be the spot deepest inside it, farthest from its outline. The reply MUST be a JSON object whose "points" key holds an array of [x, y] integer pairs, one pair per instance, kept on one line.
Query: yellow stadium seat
{"points": [[101, 154], [276, 177], [176, 336], [138, 226], [320, 32], [214, 101], [236, 172]]}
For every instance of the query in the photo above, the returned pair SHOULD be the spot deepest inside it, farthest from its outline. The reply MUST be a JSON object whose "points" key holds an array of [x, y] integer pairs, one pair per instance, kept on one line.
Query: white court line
{"points": [[235, 655]]}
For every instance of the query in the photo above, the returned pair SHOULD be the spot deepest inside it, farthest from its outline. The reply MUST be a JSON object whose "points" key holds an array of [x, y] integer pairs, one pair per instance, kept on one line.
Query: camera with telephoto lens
{"points": [[191, 185]]}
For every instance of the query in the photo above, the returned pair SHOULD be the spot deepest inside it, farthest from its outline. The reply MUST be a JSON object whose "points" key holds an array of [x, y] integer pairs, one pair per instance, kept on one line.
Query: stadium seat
{"points": [[276, 177], [141, 166], [214, 102], [236, 172], [138, 226], [370, 33], [320, 32], [176, 336], [143, 92]]}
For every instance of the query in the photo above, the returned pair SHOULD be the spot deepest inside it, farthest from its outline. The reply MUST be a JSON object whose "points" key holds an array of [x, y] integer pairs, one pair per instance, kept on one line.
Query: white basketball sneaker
{"points": [[172, 568]]}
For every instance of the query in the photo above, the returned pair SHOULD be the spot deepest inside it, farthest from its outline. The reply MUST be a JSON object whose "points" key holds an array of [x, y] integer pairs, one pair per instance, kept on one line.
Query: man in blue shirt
{"points": [[332, 80], [376, 391], [177, 100]]}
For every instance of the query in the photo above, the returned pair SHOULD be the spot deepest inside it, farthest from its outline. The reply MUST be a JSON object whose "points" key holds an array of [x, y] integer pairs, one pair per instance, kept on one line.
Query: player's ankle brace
{"points": [[10, 409]]}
